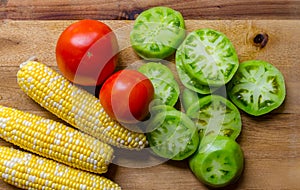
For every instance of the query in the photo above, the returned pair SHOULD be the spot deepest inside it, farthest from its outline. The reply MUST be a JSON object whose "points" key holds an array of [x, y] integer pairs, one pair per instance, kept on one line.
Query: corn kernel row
{"points": [[74, 105], [29, 171], [54, 140]]}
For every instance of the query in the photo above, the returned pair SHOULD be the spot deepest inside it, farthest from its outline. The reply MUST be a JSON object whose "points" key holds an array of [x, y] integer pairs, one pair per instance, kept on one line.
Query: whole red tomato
{"points": [[86, 52], [126, 96]]}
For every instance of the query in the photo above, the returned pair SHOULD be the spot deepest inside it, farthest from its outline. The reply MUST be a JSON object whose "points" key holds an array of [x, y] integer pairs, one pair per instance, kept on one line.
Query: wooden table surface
{"points": [[271, 143]]}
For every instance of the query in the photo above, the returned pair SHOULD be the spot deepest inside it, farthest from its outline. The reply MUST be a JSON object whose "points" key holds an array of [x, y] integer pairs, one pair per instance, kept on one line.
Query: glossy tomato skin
{"points": [[126, 96], [86, 52]]}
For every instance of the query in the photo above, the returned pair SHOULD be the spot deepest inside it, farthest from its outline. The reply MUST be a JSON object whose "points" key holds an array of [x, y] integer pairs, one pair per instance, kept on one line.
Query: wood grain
{"points": [[115, 9], [270, 143]]}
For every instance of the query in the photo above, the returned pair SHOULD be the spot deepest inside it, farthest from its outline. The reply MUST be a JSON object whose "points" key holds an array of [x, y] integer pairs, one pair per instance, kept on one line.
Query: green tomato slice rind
{"points": [[166, 87], [174, 136], [189, 97], [257, 88], [215, 114], [156, 70], [218, 163], [190, 82], [157, 33], [208, 56]]}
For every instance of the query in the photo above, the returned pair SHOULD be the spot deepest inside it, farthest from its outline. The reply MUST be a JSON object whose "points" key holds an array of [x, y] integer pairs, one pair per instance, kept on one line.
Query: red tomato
{"points": [[126, 96], [86, 52]]}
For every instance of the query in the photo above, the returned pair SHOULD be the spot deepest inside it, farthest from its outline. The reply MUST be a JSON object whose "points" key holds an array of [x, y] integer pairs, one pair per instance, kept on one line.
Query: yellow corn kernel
{"points": [[29, 171], [54, 140], [74, 105]]}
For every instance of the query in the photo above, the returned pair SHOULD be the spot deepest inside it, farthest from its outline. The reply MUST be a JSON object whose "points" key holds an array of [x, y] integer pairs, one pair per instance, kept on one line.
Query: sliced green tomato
{"points": [[157, 32], [156, 70], [208, 56], [161, 109], [257, 88], [215, 114], [174, 137], [218, 163], [165, 86], [157, 109], [190, 82], [189, 98]]}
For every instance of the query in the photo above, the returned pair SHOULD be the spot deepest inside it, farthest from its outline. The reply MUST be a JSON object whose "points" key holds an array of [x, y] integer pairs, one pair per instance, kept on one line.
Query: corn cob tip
{"points": [[30, 59]]}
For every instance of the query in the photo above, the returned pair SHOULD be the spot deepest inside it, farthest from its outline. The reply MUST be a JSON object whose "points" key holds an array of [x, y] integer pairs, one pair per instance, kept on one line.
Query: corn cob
{"points": [[74, 105], [29, 171], [54, 140]]}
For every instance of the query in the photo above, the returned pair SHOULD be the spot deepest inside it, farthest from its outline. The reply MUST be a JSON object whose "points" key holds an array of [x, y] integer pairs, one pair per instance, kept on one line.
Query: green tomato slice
{"points": [[208, 56], [156, 70], [174, 137], [190, 82], [218, 163], [157, 32], [156, 109], [189, 98], [215, 114], [165, 86], [257, 88]]}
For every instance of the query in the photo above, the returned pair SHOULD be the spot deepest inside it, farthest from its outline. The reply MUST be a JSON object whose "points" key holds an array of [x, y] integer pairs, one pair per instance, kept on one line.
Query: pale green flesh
{"points": [[219, 162], [157, 32], [165, 91], [178, 141], [165, 85], [173, 137], [216, 115], [190, 82], [218, 168], [157, 70], [189, 97], [209, 57], [259, 87]]}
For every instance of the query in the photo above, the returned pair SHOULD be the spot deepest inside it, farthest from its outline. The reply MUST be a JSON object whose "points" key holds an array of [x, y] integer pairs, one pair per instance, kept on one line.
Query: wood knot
{"points": [[130, 15], [261, 40]]}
